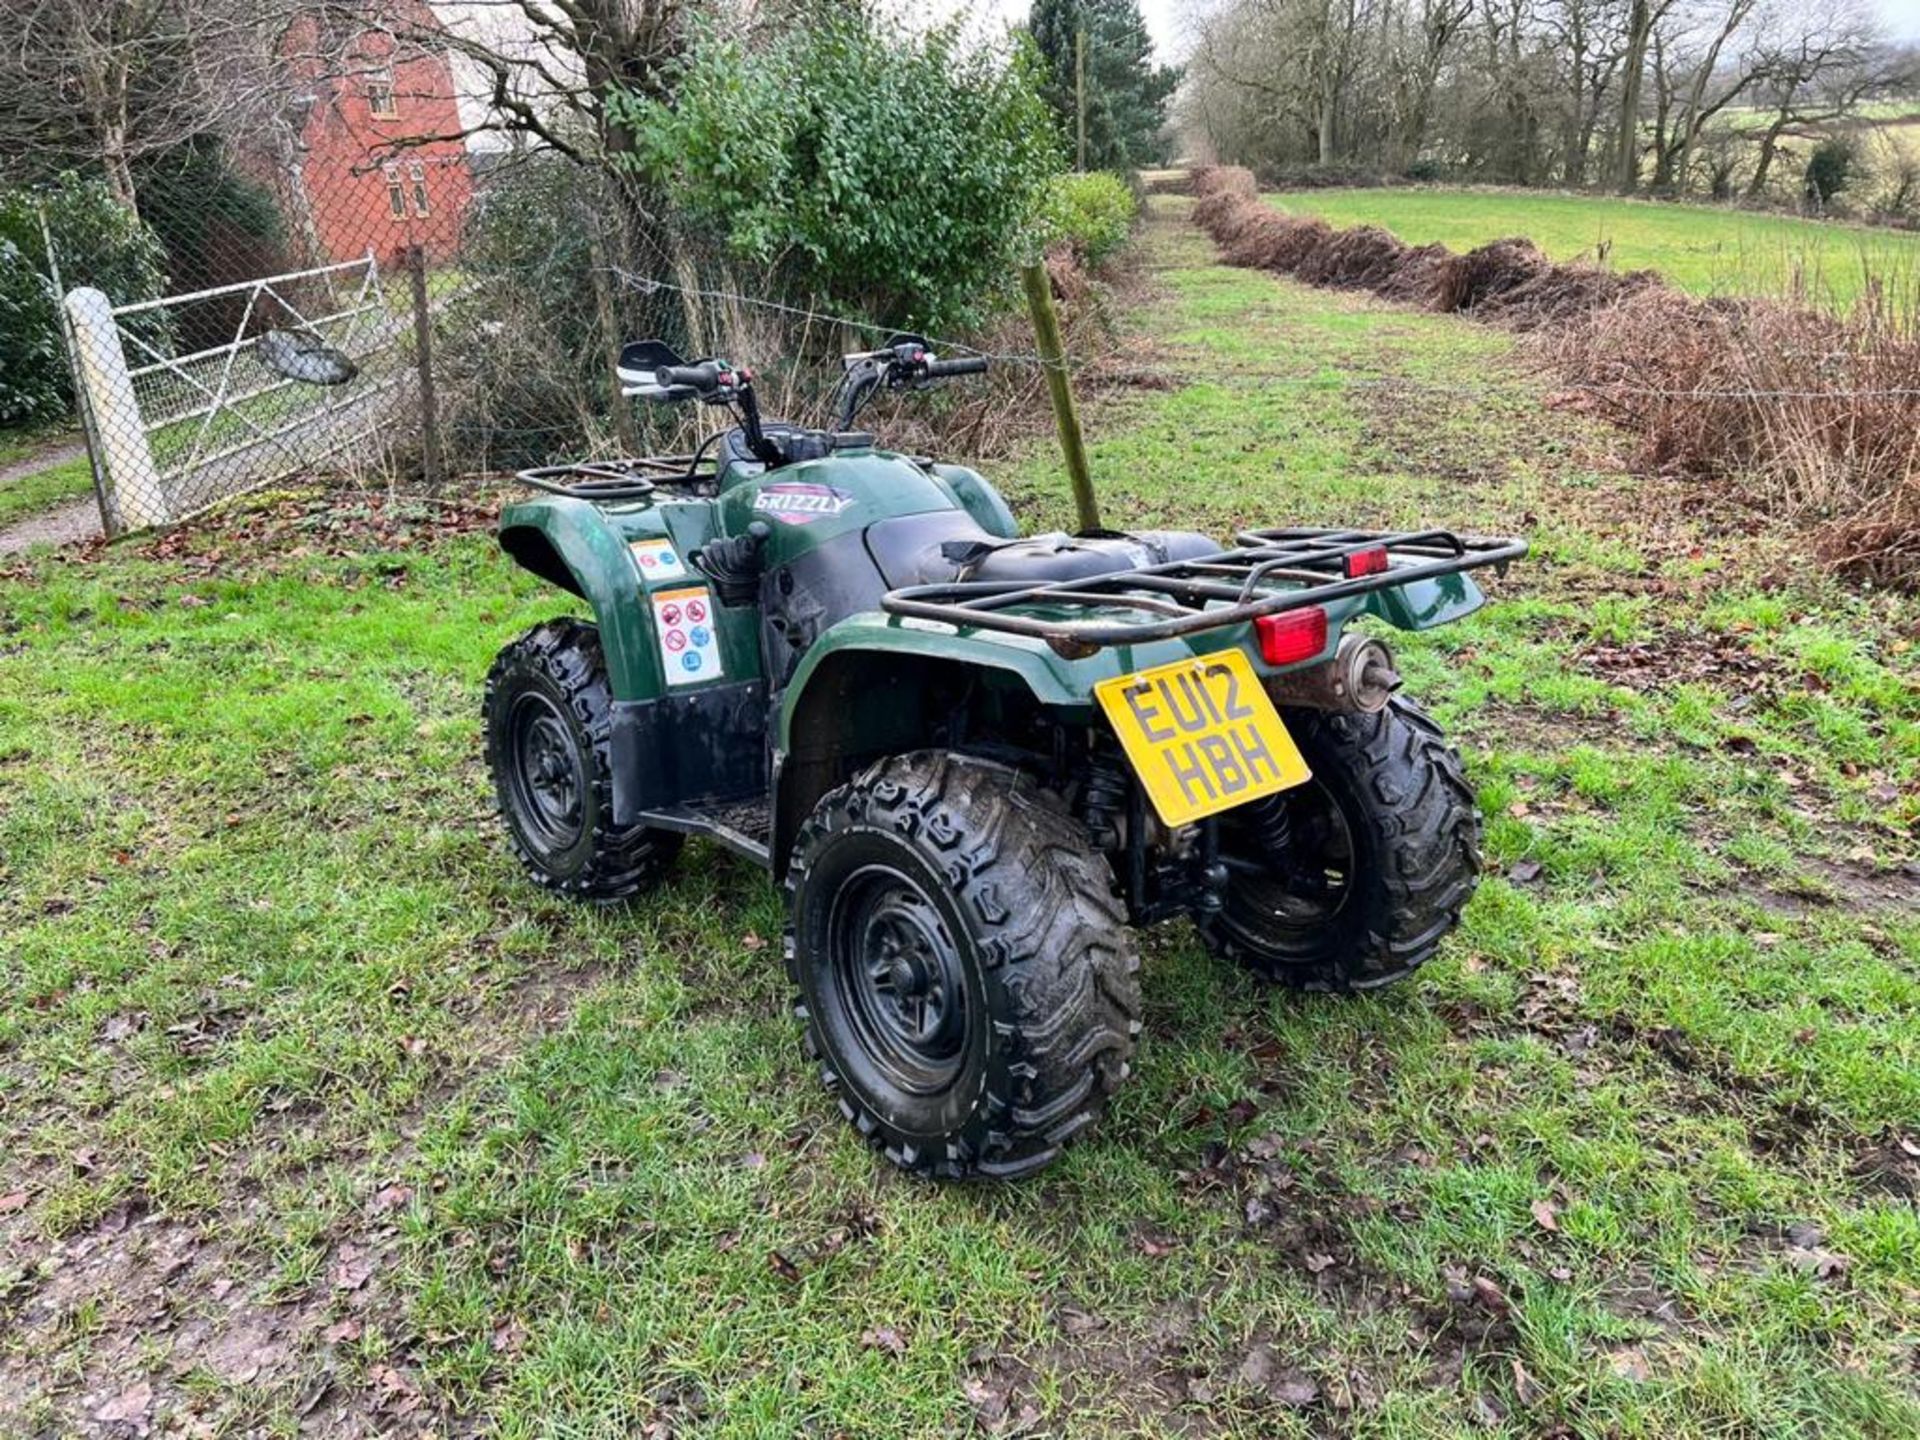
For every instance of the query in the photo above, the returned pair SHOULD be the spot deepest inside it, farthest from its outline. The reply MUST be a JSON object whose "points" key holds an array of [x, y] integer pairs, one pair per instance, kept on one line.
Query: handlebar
{"points": [[904, 363], [704, 376], [649, 369]]}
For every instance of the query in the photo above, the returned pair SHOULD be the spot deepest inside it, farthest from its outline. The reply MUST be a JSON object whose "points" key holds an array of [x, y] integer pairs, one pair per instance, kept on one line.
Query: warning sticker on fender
{"points": [[689, 641], [657, 560]]}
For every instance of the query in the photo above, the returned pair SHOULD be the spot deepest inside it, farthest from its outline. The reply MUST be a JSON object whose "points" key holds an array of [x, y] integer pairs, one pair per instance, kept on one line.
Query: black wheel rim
{"points": [[899, 979], [546, 783], [1305, 885]]}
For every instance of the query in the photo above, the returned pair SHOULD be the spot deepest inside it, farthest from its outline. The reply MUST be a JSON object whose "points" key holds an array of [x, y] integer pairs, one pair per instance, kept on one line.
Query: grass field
{"points": [[1702, 249], [316, 1118]]}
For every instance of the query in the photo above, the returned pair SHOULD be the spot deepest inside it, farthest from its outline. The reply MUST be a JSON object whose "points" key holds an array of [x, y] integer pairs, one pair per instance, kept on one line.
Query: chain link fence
{"points": [[359, 290]]}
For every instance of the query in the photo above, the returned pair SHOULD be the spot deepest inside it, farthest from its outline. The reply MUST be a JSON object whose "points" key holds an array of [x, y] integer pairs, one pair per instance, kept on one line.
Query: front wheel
{"points": [[966, 977], [549, 723], [1351, 880]]}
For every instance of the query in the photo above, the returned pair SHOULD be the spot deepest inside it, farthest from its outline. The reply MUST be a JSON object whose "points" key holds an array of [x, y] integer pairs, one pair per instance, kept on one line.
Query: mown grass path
{"points": [[31, 483], [315, 1118]]}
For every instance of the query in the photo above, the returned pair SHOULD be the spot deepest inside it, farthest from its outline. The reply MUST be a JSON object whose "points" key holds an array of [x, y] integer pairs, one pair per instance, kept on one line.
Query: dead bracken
{"points": [[1817, 415]]}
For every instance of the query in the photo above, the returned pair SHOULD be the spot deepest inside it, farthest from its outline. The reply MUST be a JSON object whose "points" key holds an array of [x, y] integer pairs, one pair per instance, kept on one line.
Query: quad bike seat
{"points": [[946, 546]]}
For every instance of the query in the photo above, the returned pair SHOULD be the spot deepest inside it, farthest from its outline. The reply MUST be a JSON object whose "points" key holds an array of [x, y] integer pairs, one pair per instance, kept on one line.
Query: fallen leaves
{"points": [[353, 1266], [1630, 1364], [121, 1027], [1261, 1373], [990, 1396], [392, 1197], [396, 1391], [1076, 1321], [1526, 1389], [1820, 1263], [131, 1409]]}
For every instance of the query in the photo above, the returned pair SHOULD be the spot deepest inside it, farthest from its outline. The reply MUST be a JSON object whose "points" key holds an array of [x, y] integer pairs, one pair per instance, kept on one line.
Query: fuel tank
{"points": [[814, 503], [817, 568]]}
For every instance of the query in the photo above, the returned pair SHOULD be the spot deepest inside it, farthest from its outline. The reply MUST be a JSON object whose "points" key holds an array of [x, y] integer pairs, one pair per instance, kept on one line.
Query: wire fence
{"points": [[364, 293]]}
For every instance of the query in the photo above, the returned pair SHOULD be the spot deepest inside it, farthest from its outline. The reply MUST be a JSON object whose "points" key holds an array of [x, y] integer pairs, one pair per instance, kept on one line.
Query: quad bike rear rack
{"points": [[1265, 572]]}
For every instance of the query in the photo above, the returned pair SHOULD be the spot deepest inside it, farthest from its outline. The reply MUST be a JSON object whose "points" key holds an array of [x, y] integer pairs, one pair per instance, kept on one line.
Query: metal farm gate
{"points": [[193, 398]]}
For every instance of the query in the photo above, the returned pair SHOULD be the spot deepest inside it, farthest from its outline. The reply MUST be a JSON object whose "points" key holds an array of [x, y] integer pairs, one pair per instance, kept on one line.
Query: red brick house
{"points": [[381, 164]]}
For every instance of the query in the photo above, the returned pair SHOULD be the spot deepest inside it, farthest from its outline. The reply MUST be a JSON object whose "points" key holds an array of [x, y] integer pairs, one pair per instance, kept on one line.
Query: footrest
{"points": [[743, 826]]}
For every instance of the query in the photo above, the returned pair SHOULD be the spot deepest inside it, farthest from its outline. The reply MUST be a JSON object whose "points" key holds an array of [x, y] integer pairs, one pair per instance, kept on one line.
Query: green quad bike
{"points": [[974, 759]]}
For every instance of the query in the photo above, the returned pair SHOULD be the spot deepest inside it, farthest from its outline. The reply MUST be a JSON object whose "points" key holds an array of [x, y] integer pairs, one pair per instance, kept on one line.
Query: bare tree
{"points": [[1530, 91], [1695, 83], [546, 70], [1416, 44], [1642, 18], [1819, 60], [1589, 36], [106, 83]]}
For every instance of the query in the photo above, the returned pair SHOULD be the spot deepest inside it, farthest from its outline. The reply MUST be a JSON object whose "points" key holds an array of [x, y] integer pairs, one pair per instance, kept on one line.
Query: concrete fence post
{"points": [[139, 495]]}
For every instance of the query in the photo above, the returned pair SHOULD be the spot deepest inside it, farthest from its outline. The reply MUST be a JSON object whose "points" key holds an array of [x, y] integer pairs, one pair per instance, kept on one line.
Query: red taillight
{"points": [[1294, 636], [1367, 562]]}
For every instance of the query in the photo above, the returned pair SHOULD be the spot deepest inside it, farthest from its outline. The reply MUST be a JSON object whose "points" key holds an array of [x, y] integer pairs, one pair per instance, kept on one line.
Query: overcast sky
{"points": [[1902, 18], [1166, 18]]}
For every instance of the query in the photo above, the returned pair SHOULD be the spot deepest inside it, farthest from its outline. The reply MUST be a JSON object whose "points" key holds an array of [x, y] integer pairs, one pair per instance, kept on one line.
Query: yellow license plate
{"points": [[1202, 735]]}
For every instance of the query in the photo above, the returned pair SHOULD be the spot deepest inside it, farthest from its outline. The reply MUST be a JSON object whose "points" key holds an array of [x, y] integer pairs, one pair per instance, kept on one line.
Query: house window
{"points": [[380, 94], [417, 173], [396, 192]]}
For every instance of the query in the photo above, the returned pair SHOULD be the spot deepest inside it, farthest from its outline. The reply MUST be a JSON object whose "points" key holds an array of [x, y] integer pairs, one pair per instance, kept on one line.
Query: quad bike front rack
{"points": [[1266, 572], [630, 478]]}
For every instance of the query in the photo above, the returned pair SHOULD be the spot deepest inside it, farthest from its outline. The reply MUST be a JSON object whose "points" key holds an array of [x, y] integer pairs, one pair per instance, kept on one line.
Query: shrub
{"points": [[1828, 170], [99, 243], [1092, 215], [1211, 180], [1817, 416], [1323, 177], [898, 174], [521, 357]]}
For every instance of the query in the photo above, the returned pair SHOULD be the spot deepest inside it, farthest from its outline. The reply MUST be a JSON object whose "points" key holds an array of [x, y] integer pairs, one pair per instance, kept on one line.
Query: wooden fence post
{"points": [[1053, 357], [423, 357]]}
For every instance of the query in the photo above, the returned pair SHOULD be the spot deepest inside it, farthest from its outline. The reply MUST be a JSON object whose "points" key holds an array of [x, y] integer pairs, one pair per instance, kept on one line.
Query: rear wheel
{"points": [[966, 977], [1351, 880], [549, 719]]}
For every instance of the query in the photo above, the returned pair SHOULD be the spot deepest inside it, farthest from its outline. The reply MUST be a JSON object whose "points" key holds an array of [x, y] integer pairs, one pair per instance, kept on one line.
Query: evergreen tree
{"points": [[1127, 93]]}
